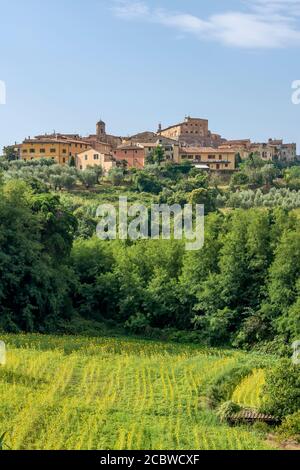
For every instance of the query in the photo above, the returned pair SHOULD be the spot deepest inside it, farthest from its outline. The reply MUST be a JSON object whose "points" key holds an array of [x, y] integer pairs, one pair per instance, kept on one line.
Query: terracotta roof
{"points": [[130, 147], [54, 140], [203, 150]]}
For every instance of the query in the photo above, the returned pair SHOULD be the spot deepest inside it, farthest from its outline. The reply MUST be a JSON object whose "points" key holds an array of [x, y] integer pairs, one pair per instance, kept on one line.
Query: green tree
{"points": [[147, 183], [239, 179], [10, 153], [116, 176], [157, 156], [88, 178], [36, 237], [72, 162], [280, 394]]}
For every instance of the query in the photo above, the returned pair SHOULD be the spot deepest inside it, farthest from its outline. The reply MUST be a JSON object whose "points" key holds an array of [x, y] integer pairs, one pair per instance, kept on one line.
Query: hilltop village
{"points": [[190, 140]]}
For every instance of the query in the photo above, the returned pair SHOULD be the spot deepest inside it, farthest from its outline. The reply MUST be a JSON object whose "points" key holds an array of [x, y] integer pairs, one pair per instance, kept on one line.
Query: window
{"points": [[96, 156], [64, 151], [24, 151], [64, 160], [86, 157], [53, 150], [81, 167], [32, 150], [42, 151]]}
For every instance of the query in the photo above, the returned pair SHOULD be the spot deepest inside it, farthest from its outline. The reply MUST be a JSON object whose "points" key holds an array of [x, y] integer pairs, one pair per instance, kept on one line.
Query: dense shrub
{"points": [[290, 427], [281, 393], [226, 409]]}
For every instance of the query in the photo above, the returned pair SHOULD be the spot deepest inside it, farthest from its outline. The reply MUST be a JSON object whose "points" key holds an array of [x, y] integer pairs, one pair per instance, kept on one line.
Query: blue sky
{"points": [[66, 63]]}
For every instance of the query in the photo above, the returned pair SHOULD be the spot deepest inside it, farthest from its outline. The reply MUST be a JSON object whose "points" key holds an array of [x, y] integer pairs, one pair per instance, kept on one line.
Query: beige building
{"points": [[239, 147], [271, 151], [190, 127], [92, 157], [215, 159], [169, 146], [264, 151], [171, 151]]}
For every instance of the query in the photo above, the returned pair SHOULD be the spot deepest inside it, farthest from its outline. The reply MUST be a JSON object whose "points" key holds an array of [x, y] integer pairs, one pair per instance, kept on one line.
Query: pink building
{"points": [[134, 155]]}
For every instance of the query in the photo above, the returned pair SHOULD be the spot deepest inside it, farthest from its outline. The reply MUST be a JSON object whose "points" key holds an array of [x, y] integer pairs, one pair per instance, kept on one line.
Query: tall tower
{"points": [[100, 130]]}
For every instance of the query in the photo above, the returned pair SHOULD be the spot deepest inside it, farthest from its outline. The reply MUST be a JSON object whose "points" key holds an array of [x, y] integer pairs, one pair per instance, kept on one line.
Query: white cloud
{"points": [[131, 10], [266, 24]]}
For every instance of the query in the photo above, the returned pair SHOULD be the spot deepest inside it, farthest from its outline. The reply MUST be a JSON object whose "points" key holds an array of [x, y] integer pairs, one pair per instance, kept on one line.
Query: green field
{"points": [[79, 393]]}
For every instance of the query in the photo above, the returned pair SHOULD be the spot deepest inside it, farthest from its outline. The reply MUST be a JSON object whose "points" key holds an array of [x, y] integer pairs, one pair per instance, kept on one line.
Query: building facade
{"points": [[57, 147], [171, 151], [264, 151], [215, 159], [284, 152], [92, 157], [192, 132], [133, 156]]}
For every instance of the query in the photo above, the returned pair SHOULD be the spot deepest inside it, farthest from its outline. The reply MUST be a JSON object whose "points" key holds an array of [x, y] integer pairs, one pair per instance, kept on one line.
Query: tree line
{"points": [[241, 289]]}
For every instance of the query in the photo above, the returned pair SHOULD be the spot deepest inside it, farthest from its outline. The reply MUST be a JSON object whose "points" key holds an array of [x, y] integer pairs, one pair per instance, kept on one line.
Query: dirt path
{"points": [[283, 445]]}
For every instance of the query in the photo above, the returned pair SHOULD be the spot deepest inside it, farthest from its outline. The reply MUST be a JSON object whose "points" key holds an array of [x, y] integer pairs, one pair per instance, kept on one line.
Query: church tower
{"points": [[100, 130]]}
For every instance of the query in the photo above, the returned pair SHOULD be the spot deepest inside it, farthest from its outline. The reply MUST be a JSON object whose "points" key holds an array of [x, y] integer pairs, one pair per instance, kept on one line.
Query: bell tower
{"points": [[100, 130]]}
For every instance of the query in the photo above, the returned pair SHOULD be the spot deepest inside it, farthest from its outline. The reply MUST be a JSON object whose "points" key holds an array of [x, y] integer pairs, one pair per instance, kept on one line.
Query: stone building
{"points": [[101, 137], [284, 152], [192, 132], [264, 151]]}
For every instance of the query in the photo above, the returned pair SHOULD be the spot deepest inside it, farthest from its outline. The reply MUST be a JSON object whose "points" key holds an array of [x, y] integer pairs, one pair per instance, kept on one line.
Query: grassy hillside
{"points": [[78, 393]]}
